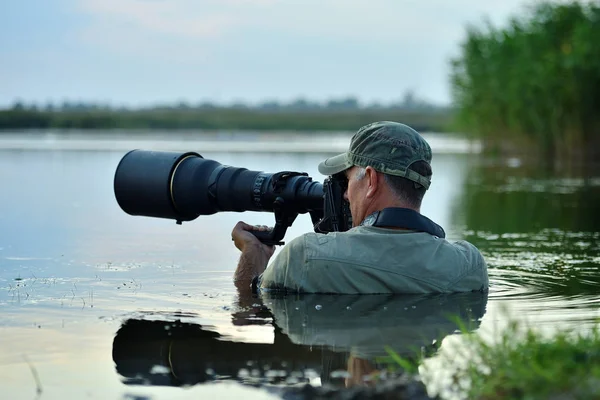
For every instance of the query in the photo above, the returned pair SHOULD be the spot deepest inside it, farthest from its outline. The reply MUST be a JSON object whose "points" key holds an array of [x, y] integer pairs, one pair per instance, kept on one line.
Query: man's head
{"points": [[388, 164]]}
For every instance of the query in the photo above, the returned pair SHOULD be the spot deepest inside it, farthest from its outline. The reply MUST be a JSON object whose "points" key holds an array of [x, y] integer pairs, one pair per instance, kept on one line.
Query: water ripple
{"points": [[551, 274]]}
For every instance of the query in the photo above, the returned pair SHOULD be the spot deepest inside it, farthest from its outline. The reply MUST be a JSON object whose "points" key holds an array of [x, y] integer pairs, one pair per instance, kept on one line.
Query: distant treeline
{"points": [[536, 82], [344, 114]]}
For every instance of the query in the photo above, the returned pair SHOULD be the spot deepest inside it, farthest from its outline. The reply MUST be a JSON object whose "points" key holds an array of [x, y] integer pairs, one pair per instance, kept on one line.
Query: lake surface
{"points": [[96, 303]]}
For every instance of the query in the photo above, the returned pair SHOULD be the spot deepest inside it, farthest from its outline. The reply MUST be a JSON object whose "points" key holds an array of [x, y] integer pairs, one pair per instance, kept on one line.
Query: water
{"points": [[96, 303]]}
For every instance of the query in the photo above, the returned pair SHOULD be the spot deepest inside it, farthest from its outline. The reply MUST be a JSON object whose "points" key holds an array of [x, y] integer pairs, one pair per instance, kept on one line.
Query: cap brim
{"points": [[336, 164]]}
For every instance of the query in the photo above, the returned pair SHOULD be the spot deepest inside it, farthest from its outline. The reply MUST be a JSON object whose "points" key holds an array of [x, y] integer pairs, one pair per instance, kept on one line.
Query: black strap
{"points": [[404, 218]]}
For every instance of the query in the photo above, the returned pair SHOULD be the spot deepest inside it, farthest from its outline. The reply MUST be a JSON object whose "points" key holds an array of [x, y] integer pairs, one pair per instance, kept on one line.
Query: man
{"points": [[391, 247]]}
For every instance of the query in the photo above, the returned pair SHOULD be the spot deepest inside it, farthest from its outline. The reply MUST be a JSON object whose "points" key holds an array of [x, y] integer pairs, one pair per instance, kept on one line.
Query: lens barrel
{"points": [[182, 186]]}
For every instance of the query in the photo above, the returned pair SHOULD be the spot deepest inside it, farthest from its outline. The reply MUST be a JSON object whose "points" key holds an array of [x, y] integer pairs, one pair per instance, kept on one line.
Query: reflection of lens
{"points": [[183, 186], [177, 353], [312, 333]]}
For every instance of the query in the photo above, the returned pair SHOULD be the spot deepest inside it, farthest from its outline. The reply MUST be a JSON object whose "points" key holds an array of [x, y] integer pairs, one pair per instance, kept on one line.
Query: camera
{"points": [[183, 186]]}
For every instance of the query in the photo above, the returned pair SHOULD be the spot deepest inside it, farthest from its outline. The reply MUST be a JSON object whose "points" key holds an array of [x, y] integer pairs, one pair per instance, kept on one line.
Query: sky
{"points": [[146, 52]]}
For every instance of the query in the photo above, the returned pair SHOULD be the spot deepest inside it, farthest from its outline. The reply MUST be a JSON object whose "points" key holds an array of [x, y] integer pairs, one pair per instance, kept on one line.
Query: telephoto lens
{"points": [[183, 186]]}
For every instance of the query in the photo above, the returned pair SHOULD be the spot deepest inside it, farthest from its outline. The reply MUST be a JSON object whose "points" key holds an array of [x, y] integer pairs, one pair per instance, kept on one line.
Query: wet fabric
{"points": [[368, 259]]}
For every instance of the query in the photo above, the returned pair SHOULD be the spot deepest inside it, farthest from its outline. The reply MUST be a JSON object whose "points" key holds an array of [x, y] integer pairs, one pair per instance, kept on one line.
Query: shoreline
{"points": [[210, 141]]}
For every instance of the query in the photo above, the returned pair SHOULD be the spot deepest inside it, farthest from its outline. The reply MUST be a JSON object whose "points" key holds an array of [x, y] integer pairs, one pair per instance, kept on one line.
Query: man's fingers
{"points": [[242, 226], [242, 236], [246, 227]]}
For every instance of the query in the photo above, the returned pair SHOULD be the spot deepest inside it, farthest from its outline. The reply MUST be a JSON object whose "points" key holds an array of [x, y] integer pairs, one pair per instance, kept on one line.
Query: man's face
{"points": [[356, 195]]}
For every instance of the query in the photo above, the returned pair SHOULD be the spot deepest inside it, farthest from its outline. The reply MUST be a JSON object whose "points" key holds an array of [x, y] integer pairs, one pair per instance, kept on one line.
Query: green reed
{"points": [[520, 363], [528, 365], [534, 83]]}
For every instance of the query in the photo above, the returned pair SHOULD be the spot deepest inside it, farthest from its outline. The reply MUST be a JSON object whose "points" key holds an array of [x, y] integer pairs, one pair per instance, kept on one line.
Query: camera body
{"points": [[183, 186]]}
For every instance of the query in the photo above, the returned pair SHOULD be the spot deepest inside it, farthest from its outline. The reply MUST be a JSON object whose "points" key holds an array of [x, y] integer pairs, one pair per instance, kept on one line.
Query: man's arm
{"points": [[255, 255], [253, 261]]}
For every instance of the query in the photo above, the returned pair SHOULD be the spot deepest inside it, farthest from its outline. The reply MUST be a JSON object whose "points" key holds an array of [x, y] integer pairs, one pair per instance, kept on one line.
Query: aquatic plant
{"points": [[520, 363], [535, 83]]}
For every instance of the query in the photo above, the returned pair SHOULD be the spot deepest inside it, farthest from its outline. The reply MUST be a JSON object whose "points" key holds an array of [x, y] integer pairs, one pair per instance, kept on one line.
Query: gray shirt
{"points": [[368, 259]]}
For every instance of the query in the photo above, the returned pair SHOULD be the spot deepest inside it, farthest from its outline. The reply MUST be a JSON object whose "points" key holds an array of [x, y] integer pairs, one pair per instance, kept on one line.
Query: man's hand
{"points": [[255, 255], [243, 238]]}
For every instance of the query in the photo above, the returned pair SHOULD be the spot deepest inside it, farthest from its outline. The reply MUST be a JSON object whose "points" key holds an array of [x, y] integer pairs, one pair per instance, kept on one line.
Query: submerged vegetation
{"points": [[535, 83]]}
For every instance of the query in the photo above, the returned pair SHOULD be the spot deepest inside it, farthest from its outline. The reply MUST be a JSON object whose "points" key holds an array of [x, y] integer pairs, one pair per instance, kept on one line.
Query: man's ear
{"points": [[373, 181]]}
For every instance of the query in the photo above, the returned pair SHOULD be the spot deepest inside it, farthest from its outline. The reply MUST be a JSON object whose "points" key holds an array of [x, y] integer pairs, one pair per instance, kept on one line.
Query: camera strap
{"points": [[406, 218]]}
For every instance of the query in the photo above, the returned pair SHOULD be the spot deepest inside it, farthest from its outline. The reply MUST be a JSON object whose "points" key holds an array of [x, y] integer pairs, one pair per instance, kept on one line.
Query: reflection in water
{"points": [[552, 262], [503, 200], [338, 339], [539, 234], [73, 265]]}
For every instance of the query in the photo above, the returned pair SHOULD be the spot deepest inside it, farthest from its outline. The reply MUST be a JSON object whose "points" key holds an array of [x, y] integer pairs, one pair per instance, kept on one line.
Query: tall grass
{"points": [[565, 366], [519, 363], [535, 82]]}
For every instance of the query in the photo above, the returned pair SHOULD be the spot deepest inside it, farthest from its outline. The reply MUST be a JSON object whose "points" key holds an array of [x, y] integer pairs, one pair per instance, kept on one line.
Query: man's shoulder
{"points": [[312, 240], [469, 250], [366, 260], [357, 231], [368, 236], [361, 243]]}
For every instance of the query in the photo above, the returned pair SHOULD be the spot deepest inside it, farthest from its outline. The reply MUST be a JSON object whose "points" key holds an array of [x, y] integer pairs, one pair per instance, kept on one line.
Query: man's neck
{"points": [[378, 206]]}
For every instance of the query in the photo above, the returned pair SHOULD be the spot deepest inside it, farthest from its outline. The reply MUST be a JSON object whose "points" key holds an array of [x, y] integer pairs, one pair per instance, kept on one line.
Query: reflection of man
{"points": [[308, 332], [366, 328], [391, 248], [359, 370]]}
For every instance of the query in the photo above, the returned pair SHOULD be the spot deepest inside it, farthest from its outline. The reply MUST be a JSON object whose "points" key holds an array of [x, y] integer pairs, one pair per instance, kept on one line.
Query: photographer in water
{"points": [[391, 247]]}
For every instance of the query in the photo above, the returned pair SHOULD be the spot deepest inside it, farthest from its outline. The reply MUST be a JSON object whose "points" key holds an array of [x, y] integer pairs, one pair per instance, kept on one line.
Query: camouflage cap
{"points": [[388, 147]]}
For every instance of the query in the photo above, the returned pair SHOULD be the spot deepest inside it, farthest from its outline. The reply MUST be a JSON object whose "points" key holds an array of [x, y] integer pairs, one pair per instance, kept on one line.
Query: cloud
{"points": [[343, 19], [247, 49], [178, 27], [177, 18], [178, 31]]}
